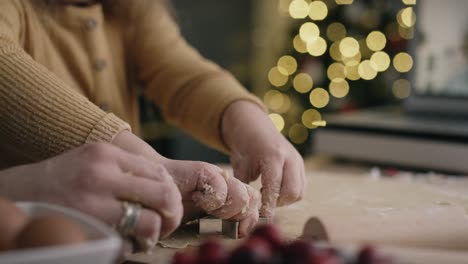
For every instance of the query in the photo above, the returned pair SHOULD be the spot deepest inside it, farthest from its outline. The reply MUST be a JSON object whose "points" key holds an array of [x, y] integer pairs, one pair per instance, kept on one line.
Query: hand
{"points": [[257, 148], [206, 188], [93, 179]]}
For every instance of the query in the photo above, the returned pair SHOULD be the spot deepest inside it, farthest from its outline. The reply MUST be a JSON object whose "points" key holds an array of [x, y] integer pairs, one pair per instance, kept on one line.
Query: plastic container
{"points": [[103, 246]]}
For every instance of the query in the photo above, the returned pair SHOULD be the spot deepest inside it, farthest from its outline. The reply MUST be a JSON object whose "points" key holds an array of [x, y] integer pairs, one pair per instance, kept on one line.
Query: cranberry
{"points": [[369, 255], [183, 258], [255, 251], [269, 233], [211, 252], [299, 252]]}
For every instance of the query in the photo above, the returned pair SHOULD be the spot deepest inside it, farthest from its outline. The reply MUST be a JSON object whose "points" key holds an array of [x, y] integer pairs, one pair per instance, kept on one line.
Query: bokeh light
{"points": [[339, 88], [382, 60], [309, 32], [336, 70], [335, 51], [310, 116], [336, 31], [344, 2], [367, 70], [299, 45], [277, 78], [406, 17], [349, 47], [298, 9], [319, 97], [277, 120], [409, 2], [298, 133], [318, 10], [317, 47], [303, 82], [376, 41], [401, 88], [287, 65], [403, 62], [352, 71]]}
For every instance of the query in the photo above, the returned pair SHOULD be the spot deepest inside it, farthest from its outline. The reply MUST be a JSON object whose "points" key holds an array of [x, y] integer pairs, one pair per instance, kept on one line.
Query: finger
{"points": [[248, 224], [111, 211], [211, 189], [252, 206], [249, 219], [271, 186], [237, 201], [141, 166], [292, 184], [162, 197]]}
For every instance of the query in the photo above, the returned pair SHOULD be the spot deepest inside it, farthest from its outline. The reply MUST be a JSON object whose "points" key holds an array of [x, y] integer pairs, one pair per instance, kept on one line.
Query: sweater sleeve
{"points": [[191, 91], [40, 115]]}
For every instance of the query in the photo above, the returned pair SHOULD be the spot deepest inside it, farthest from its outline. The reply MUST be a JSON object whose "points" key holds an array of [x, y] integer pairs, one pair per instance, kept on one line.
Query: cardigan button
{"points": [[100, 64], [90, 23]]}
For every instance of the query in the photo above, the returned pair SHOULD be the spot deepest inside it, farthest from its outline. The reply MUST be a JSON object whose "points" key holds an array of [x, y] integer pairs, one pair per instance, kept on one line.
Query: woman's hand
{"points": [[207, 188], [94, 179], [257, 148]]}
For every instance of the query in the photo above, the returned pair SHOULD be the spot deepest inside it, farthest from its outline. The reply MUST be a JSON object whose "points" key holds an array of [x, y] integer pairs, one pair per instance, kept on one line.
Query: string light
{"points": [[381, 60], [317, 47], [318, 10], [352, 71], [335, 51], [409, 2], [298, 9], [406, 17], [299, 44], [309, 32], [287, 65], [303, 82], [278, 121], [339, 88], [367, 70], [349, 47], [376, 41], [344, 2], [319, 97], [298, 133], [401, 88], [277, 78], [402, 62], [310, 116], [336, 70]]}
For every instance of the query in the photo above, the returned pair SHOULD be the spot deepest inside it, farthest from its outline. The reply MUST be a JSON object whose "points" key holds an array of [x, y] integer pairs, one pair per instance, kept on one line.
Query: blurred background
{"points": [[304, 58]]}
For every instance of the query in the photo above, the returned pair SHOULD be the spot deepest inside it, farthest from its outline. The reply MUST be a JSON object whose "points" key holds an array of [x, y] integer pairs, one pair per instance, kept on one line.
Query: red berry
{"points": [[181, 257], [326, 258], [255, 251], [369, 255], [212, 252], [299, 252], [269, 233]]}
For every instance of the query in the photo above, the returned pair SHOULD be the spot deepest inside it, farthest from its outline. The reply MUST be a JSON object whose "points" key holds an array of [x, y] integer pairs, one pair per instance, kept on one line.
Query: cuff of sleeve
{"points": [[106, 129]]}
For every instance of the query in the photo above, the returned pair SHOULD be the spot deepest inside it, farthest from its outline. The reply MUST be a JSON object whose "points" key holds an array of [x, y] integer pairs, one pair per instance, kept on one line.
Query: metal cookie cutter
{"points": [[228, 228]]}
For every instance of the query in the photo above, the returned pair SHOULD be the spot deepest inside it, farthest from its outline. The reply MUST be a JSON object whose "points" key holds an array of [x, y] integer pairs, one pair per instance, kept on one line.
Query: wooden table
{"points": [[358, 204]]}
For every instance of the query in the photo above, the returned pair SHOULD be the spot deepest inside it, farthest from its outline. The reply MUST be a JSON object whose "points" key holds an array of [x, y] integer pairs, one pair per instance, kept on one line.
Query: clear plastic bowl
{"points": [[103, 246]]}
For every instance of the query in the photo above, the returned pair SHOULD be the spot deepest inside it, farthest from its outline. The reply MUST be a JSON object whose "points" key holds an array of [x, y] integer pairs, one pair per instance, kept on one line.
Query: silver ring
{"points": [[129, 219]]}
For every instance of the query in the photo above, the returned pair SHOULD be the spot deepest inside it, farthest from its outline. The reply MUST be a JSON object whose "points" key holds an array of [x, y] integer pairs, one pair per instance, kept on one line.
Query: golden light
{"points": [[339, 88], [376, 41], [381, 59], [401, 88], [285, 106], [335, 51], [406, 33], [367, 70], [276, 78], [299, 44], [344, 2], [409, 2], [352, 71], [273, 99], [309, 32], [319, 97], [309, 117], [355, 58], [303, 82], [336, 31], [321, 123], [403, 62], [317, 47], [349, 47], [336, 70], [298, 9], [406, 17], [318, 10], [278, 121], [287, 65], [298, 133]]}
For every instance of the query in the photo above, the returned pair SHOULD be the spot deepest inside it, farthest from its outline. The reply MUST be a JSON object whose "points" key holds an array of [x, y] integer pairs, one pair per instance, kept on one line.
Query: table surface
{"points": [[341, 188]]}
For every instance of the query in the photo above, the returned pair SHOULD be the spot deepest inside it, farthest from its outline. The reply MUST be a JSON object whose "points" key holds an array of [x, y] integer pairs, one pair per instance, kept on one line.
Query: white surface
{"points": [[103, 247]]}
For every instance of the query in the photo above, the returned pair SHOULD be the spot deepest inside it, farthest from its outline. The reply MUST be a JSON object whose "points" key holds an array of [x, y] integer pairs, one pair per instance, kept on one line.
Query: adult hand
{"points": [[94, 179], [206, 188], [257, 148]]}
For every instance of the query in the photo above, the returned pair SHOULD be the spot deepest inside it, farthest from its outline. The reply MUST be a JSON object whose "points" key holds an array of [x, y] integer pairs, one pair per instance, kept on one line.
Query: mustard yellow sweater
{"points": [[68, 77]]}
